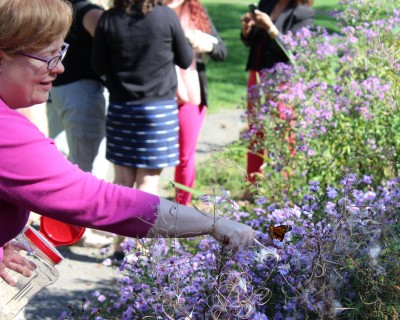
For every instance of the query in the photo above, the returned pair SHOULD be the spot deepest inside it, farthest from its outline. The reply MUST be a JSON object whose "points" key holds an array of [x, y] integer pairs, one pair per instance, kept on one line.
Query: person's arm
{"points": [[91, 19], [247, 24], [36, 176], [219, 51], [179, 221], [183, 50], [100, 55], [264, 21]]}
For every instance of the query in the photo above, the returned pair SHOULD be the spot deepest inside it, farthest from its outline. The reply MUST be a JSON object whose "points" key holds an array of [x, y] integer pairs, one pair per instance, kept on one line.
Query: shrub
{"points": [[345, 106]]}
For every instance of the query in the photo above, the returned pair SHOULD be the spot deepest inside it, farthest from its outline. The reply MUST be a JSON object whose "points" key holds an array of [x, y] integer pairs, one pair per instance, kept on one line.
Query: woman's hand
{"points": [[178, 221], [247, 23], [13, 261], [200, 41], [264, 21], [233, 234]]}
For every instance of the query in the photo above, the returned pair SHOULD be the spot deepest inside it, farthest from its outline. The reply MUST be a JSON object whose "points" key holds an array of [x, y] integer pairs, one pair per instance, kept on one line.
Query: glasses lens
{"points": [[53, 62]]}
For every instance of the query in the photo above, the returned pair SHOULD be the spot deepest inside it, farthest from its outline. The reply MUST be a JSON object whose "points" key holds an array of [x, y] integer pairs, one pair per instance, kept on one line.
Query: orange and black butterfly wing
{"points": [[278, 232]]}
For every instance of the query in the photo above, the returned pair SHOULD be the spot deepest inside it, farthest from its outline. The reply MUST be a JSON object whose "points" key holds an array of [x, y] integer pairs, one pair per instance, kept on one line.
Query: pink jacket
{"points": [[35, 176]]}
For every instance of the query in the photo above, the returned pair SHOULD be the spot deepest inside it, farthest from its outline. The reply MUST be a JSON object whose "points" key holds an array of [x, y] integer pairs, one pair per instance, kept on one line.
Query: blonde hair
{"points": [[30, 25]]}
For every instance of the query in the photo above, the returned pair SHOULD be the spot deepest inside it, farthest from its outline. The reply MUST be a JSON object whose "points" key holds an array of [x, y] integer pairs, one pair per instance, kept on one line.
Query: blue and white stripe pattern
{"points": [[143, 136]]}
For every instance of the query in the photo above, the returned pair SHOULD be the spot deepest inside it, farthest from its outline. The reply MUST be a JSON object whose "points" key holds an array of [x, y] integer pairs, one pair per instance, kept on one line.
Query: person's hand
{"points": [[200, 41], [13, 261], [264, 21], [233, 235], [247, 23]]}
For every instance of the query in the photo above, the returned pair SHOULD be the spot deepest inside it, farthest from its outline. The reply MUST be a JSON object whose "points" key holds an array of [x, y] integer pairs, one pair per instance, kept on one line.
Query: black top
{"points": [[137, 54], [264, 51], [77, 61]]}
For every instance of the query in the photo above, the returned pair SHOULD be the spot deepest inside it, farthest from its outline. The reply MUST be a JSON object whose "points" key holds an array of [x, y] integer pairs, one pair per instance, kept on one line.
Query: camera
{"points": [[252, 7]]}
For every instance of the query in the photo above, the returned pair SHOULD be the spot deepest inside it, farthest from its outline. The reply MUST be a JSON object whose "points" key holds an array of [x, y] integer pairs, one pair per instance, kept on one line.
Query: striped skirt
{"points": [[143, 136]]}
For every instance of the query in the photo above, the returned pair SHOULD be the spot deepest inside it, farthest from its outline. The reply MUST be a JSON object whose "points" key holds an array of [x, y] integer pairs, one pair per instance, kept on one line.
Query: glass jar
{"points": [[31, 245]]}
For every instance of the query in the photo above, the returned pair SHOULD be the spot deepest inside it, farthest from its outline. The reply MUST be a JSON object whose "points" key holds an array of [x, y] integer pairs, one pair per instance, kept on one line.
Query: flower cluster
{"points": [[338, 108], [340, 258]]}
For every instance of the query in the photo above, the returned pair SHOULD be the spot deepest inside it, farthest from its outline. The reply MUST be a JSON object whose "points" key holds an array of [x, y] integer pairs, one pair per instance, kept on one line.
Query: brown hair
{"points": [[145, 6], [30, 25]]}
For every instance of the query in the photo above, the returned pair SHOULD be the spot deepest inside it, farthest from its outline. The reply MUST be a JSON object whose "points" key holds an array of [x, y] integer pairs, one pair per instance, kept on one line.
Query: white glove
{"points": [[233, 234], [177, 221]]}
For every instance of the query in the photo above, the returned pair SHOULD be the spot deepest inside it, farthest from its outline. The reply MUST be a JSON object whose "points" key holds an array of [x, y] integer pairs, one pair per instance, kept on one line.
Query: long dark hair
{"points": [[145, 6]]}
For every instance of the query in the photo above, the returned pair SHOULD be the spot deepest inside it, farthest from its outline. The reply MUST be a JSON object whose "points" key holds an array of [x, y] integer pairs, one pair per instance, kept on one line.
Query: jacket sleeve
{"points": [[247, 41], [100, 54], [303, 17], [183, 51], [37, 177], [219, 52]]}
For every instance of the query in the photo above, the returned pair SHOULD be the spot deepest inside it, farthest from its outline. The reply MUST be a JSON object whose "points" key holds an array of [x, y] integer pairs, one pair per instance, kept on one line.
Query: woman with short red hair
{"points": [[192, 87]]}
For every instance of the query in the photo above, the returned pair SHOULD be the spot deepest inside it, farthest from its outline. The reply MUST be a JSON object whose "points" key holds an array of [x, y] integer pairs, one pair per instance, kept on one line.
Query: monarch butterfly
{"points": [[278, 232]]}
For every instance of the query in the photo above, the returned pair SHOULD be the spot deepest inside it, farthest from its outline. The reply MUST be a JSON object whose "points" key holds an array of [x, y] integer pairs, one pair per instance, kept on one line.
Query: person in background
{"points": [[259, 31], [77, 103], [192, 87], [35, 176], [139, 67]]}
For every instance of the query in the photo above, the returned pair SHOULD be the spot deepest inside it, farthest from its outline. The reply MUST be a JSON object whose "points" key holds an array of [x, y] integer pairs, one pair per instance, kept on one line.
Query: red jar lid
{"points": [[43, 245]]}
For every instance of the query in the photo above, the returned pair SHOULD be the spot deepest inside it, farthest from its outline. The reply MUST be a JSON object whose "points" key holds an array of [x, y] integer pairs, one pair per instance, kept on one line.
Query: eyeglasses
{"points": [[52, 61]]}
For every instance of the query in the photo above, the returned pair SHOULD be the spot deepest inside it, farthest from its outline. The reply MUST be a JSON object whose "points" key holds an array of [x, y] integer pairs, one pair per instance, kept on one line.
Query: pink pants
{"points": [[191, 118], [256, 159]]}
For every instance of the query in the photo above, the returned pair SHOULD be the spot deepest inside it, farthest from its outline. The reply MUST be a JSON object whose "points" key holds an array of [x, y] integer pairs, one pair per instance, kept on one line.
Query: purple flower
{"points": [[314, 186], [278, 243], [284, 269], [367, 179], [259, 316], [331, 192]]}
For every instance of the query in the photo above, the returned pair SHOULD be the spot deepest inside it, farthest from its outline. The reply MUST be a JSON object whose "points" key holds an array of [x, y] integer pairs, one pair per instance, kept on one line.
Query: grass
{"points": [[227, 80]]}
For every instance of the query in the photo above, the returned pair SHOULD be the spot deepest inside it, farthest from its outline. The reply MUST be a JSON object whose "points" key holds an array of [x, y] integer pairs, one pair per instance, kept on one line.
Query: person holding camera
{"points": [[260, 28]]}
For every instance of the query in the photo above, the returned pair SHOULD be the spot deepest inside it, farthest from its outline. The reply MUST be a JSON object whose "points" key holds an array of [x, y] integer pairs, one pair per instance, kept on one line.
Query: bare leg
{"points": [[145, 179], [124, 176], [148, 180]]}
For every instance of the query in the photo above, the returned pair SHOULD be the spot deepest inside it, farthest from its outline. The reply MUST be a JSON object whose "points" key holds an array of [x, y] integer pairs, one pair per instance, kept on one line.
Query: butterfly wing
{"points": [[278, 232]]}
